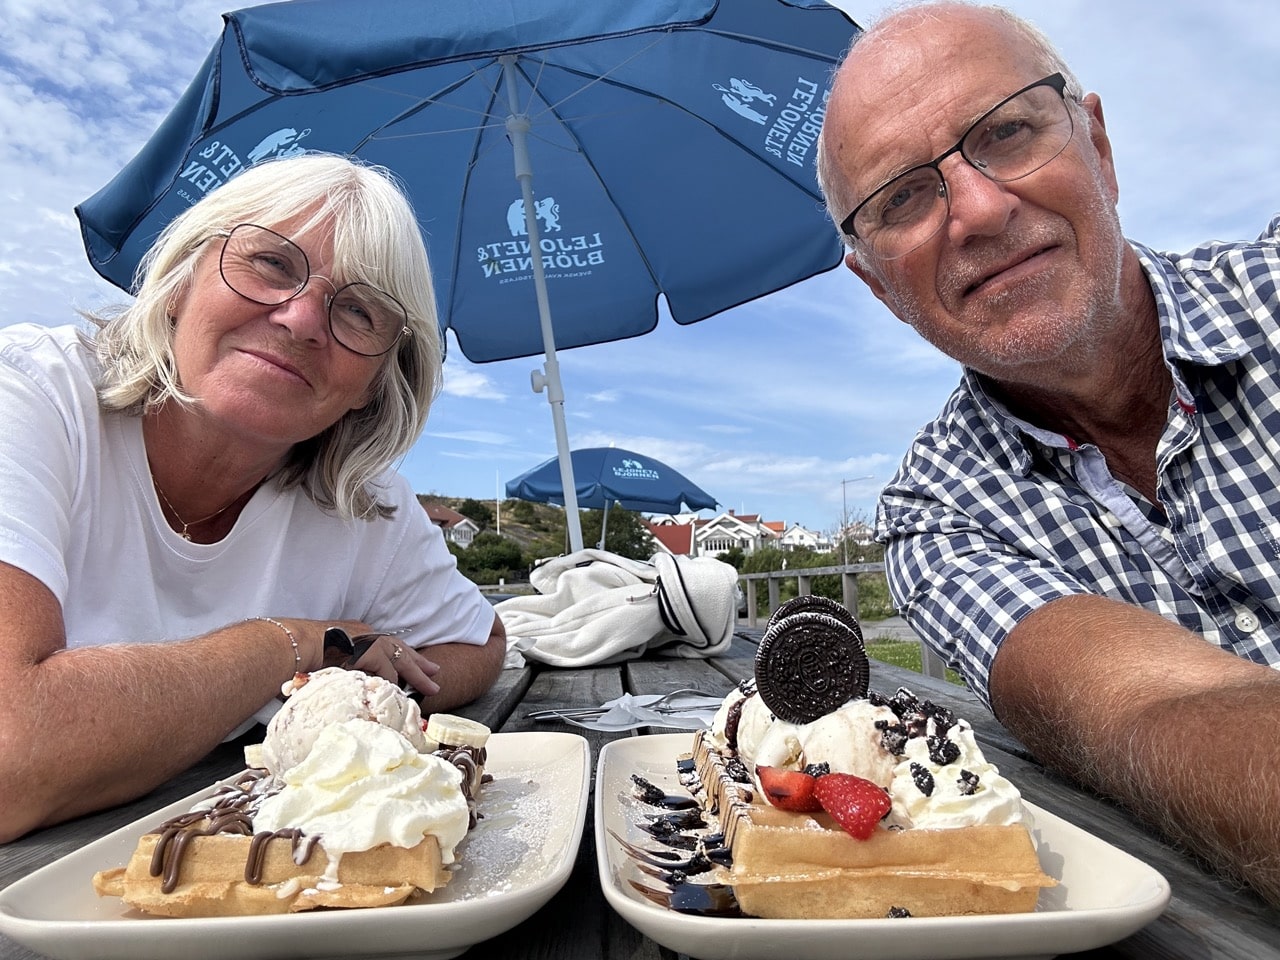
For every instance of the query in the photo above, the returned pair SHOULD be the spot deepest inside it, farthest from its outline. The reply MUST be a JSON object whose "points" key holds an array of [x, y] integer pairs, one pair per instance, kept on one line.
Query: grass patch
{"points": [[903, 653]]}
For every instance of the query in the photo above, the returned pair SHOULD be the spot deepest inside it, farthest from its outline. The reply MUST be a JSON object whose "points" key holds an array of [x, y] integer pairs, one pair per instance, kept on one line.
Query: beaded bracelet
{"points": [[297, 655]]}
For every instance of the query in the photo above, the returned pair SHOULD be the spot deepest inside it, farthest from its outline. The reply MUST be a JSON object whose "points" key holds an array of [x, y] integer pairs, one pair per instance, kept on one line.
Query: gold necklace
{"points": [[194, 523]]}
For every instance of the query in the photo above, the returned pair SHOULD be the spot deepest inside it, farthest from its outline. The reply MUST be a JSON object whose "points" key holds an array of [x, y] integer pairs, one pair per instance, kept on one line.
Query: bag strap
{"points": [[667, 612], [666, 609]]}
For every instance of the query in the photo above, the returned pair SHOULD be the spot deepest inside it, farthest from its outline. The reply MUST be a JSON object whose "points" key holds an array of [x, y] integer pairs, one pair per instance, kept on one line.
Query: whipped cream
{"points": [[967, 791], [846, 740], [363, 784], [931, 764]]}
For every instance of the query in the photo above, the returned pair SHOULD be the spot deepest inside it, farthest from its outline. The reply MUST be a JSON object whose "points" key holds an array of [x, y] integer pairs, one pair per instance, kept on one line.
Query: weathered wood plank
{"points": [[675, 673], [577, 923], [739, 663], [495, 706]]}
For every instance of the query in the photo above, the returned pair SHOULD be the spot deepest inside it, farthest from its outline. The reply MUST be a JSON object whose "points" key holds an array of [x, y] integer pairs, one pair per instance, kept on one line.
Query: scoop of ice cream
{"points": [[331, 696], [846, 740], [965, 791], [749, 722], [363, 785]]}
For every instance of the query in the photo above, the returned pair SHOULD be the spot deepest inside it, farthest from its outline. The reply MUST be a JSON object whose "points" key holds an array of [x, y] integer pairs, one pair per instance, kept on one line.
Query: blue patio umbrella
{"points": [[608, 475], [639, 149]]}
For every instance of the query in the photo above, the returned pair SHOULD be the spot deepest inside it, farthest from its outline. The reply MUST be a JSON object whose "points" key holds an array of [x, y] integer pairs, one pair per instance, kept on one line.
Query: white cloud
{"points": [[471, 436], [465, 381]]}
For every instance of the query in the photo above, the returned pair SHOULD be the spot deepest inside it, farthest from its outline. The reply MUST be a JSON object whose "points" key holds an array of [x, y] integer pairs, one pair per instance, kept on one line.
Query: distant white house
{"points": [[457, 528], [687, 535], [802, 538], [725, 531], [859, 532]]}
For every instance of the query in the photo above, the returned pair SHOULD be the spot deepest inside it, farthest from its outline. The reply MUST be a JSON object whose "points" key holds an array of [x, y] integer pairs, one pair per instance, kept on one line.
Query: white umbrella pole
{"points": [[604, 522], [549, 376]]}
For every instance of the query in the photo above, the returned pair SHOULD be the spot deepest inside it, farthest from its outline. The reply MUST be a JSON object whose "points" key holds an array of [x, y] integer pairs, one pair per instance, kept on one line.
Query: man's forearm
{"points": [[1172, 726]]}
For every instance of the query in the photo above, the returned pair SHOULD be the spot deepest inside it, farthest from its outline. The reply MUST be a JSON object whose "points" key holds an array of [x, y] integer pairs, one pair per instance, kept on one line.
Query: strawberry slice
{"points": [[856, 804], [789, 789]]}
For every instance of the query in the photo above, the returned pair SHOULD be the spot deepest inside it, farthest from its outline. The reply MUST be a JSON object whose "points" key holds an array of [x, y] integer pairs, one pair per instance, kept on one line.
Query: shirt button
{"points": [[1246, 622]]}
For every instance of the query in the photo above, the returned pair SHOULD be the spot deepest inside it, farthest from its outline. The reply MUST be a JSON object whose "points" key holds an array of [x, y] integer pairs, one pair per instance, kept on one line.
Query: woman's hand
{"points": [[400, 663], [382, 655]]}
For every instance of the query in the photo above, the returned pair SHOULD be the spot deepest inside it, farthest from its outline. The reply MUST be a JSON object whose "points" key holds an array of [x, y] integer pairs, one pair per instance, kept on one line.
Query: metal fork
{"points": [[662, 705]]}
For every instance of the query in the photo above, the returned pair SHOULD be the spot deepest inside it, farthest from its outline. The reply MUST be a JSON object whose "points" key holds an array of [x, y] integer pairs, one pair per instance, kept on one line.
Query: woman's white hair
{"points": [[375, 239]]}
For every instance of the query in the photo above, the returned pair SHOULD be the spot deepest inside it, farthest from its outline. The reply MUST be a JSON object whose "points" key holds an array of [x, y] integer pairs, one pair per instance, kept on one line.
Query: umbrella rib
{"points": [[457, 227], [422, 102], [648, 94], [591, 78]]}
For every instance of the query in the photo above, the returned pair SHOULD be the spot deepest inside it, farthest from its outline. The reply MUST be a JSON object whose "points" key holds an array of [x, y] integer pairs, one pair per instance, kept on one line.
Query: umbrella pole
{"points": [[549, 376], [604, 522]]}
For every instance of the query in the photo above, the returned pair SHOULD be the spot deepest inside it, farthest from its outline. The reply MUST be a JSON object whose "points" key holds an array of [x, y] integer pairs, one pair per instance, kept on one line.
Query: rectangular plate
{"points": [[1103, 895], [518, 856]]}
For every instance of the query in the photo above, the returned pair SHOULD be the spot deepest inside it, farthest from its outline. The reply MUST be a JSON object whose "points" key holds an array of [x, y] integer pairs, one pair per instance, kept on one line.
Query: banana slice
{"points": [[451, 731]]}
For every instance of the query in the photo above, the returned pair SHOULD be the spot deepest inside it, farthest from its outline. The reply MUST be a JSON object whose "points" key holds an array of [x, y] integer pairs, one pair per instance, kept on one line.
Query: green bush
{"points": [[903, 653], [479, 512], [874, 602], [488, 558], [625, 532]]}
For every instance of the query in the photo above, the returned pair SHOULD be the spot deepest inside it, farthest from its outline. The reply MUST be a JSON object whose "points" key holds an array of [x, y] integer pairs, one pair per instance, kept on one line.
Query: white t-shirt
{"points": [[80, 513]]}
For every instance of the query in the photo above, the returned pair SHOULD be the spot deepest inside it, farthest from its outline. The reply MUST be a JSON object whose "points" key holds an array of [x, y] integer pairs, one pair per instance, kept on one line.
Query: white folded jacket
{"points": [[594, 606]]}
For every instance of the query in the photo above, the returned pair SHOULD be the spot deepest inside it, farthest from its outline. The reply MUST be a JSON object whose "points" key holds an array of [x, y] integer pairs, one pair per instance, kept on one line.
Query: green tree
{"points": [[477, 511], [625, 533], [540, 549], [521, 510], [489, 557], [552, 538]]}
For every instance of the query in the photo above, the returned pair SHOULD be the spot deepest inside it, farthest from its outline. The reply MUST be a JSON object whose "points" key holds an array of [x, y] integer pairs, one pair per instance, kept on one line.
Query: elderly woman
{"points": [[195, 494]]}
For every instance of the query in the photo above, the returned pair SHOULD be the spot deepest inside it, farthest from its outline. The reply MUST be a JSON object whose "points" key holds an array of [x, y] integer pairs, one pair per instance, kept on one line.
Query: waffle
{"points": [[211, 880], [799, 865], [213, 861]]}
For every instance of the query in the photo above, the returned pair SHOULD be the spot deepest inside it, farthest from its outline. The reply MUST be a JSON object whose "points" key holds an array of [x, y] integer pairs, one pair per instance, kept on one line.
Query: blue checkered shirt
{"points": [[989, 517]]}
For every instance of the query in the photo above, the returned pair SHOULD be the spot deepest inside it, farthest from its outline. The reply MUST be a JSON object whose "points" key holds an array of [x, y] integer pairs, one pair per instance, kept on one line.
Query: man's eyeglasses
{"points": [[1013, 139], [267, 268]]}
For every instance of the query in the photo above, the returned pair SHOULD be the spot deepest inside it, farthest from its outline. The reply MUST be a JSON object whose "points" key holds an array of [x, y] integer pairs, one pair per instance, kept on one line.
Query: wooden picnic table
{"points": [[1206, 919]]}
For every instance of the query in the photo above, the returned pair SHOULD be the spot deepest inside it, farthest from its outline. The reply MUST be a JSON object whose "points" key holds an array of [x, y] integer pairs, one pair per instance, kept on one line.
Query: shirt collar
{"points": [[1196, 325]]}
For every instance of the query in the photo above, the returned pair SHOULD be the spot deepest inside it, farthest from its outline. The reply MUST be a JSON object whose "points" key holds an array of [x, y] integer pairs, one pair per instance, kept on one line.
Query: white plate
{"points": [[1103, 893], [515, 860]]}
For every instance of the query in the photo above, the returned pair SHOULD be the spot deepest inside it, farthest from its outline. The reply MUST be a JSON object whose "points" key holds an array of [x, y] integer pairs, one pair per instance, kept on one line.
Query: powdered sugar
{"points": [[506, 848]]}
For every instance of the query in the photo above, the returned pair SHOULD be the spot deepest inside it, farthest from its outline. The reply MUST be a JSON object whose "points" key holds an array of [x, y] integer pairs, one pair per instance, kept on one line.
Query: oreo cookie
{"points": [[816, 604], [810, 664]]}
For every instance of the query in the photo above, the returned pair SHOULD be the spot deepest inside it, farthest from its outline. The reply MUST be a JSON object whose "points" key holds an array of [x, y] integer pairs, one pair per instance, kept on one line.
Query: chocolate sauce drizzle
{"points": [[688, 853], [232, 807], [231, 811], [470, 761]]}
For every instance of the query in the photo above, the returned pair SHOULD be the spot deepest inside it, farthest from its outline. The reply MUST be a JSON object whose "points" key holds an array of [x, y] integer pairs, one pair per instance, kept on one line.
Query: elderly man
{"points": [[1090, 529]]}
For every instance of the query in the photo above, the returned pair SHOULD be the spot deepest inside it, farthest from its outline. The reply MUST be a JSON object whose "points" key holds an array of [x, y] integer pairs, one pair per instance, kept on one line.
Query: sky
{"points": [[797, 406]]}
